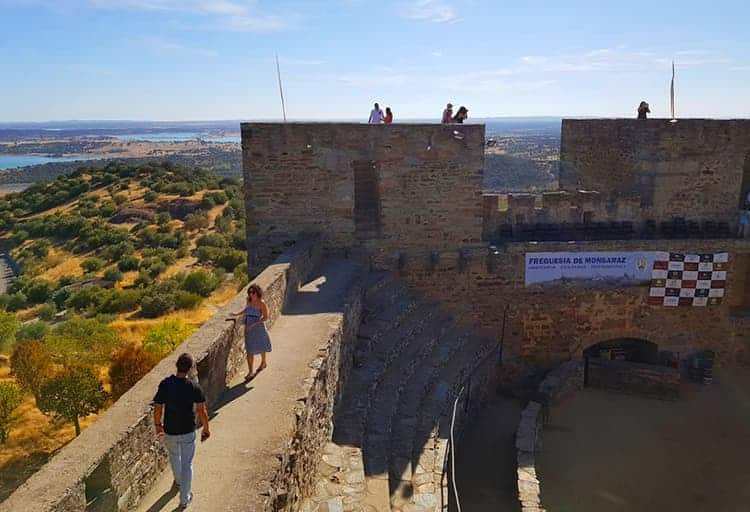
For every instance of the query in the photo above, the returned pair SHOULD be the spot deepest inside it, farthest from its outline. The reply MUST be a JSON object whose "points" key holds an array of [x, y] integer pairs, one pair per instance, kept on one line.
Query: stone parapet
{"points": [[650, 380], [112, 464], [556, 386]]}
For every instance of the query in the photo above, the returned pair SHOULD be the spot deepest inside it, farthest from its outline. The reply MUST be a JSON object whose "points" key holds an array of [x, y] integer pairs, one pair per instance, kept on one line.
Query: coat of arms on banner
{"points": [[688, 279]]}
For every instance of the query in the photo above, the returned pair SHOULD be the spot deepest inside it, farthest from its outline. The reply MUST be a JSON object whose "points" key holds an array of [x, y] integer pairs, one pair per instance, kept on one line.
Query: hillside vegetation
{"points": [[117, 266]]}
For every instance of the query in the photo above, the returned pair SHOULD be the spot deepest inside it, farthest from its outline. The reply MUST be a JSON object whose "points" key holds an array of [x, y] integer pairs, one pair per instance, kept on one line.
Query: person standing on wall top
{"points": [[376, 116], [175, 404], [643, 111], [257, 340], [461, 115], [448, 114], [388, 116]]}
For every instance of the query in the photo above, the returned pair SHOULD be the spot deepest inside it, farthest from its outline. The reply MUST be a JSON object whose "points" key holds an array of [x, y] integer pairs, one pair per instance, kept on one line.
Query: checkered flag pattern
{"points": [[688, 279]]}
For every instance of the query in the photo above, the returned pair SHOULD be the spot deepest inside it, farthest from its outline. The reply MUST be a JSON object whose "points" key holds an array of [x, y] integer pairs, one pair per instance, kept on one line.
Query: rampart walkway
{"points": [[251, 418]]}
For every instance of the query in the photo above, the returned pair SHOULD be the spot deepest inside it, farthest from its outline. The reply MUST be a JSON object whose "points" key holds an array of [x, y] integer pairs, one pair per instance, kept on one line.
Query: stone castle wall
{"points": [[694, 168], [551, 324], [382, 188]]}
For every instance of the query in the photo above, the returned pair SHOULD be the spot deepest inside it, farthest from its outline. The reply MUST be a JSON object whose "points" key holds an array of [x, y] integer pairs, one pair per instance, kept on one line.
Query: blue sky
{"points": [[213, 59]]}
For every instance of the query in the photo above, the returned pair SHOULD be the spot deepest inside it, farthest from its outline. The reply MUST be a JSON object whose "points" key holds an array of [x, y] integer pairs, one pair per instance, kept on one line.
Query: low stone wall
{"points": [[558, 384], [113, 463], [295, 477], [649, 380]]}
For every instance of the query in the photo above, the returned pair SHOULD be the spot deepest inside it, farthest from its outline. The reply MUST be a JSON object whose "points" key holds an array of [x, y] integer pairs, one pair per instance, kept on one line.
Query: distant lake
{"points": [[176, 137], [13, 161]]}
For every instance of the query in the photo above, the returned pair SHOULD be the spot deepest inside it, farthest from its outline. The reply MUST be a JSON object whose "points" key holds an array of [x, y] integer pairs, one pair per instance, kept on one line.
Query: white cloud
{"points": [[617, 59], [238, 15], [436, 11], [164, 46]]}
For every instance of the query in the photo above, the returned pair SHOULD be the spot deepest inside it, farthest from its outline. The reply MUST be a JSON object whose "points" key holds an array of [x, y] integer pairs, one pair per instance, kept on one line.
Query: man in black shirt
{"points": [[176, 402]]}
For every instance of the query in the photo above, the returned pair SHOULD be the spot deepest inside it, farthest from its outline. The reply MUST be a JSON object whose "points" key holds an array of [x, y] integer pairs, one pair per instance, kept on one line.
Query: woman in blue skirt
{"points": [[257, 340]]}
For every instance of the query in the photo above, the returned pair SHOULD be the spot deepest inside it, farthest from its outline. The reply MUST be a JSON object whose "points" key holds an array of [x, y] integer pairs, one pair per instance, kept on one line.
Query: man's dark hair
{"points": [[184, 363]]}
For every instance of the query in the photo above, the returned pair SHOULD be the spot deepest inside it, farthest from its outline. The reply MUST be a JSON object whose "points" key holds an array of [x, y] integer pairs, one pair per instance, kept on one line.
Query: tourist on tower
{"points": [[388, 116], [376, 115], [448, 114], [461, 115], [175, 404], [643, 110]]}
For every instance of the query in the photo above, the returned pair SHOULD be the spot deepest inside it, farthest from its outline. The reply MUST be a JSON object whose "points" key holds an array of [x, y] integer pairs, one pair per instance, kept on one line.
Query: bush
{"points": [[75, 393], [39, 248], [119, 199], [31, 363], [157, 304], [212, 240], [163, 218], [128, 263], [228, 259], [86, 298], [240, 274], [164, 337], [65, 281], [152, 266], [120, 301], [196, 221], [113, 274], [16, 301], [32, 331], [38, 291], [129, 365], [10, 398], [186, 300], [92, 264], [200, 282], [8, 327], [150, 196], [47, 311], [60, 297]]}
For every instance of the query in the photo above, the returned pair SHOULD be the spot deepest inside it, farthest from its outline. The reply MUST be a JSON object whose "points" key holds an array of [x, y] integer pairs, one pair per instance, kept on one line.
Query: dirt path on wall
{"points": [[486, 458], [254, 418], [608, 452]]}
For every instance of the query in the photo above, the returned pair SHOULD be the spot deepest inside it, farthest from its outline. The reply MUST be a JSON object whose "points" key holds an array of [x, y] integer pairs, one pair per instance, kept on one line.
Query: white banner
{"points": [[589, 269]]}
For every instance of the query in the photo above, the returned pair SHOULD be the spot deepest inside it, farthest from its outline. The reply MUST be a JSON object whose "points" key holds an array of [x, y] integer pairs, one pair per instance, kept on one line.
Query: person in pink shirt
{"points": [[448, 114]]}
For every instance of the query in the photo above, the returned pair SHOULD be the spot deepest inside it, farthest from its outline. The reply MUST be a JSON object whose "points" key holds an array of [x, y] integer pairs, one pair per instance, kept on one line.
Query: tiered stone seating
{"points": [[390, 430]]}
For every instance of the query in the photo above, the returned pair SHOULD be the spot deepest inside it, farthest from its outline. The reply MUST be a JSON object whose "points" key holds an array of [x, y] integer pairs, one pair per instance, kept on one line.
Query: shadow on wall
{"points": [[505, 173]]}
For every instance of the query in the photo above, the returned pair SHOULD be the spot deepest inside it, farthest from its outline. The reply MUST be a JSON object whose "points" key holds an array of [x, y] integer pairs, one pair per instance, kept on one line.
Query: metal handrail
{"points": [[467, 382]]}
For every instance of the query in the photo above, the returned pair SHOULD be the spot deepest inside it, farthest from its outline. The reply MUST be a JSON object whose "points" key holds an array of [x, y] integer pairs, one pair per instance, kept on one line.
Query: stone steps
{"points": [[387, 426]]}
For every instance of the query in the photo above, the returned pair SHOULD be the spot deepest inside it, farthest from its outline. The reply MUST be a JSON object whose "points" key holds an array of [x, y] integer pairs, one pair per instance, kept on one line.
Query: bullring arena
{"points": [[586, 348]]}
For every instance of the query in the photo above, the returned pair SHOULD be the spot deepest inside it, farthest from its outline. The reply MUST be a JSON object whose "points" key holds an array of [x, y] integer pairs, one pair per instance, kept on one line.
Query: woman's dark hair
{"points": [[387, 110], [184, 363], [254, 288], [463, 110]]}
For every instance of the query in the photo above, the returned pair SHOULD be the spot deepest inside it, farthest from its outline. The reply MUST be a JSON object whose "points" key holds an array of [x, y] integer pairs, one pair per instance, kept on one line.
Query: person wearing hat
{"points": [[448, 114]]}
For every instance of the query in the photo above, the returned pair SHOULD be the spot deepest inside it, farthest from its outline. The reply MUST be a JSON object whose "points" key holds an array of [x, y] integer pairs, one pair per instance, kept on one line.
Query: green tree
{"points": [[129, 365], [127, 263], [31, 363], [39, 291], [8, 327], [10, 399], [113, 274], [164, 337], [92, 264], [32, 331], [17, 301], [200, 282], [73, 394], [81, 340]]}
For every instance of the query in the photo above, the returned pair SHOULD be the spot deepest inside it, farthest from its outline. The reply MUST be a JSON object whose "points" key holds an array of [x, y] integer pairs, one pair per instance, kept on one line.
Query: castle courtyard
{"points": [[615, 452]]}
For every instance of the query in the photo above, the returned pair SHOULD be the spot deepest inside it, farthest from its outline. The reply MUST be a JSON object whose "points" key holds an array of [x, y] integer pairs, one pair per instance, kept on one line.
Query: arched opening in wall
{"points": [[633, 350]]}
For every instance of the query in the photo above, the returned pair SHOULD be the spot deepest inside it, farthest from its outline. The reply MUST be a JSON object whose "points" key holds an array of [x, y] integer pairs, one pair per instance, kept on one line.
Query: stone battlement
{"points": [[697, 169]]}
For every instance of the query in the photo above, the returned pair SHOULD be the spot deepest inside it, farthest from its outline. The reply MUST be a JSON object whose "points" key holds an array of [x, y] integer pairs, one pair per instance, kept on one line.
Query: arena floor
{"points": [[606, 452]]}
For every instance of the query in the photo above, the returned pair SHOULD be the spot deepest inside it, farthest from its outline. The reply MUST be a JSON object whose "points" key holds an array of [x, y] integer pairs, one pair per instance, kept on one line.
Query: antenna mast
{"points": [[671, 94], [281, 90]]}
